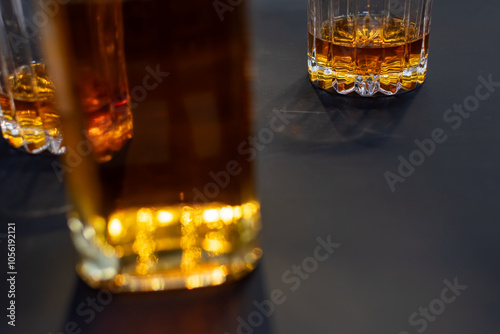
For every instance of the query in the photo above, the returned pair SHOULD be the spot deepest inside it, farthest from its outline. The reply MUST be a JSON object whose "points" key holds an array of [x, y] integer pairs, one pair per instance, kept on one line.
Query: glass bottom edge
{"points": [[365, 89]]}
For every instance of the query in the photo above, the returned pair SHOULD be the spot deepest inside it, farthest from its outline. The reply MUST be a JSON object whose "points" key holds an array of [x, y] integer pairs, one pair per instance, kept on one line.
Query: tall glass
{"points": [[175, 207], [368, 46]]}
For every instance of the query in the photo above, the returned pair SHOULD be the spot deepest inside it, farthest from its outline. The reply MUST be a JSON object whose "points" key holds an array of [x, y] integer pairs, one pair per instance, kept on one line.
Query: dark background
{"points": [[323, 175]]}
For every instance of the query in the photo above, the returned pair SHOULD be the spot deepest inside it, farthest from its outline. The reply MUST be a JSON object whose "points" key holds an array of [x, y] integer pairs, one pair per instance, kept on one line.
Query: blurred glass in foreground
{"points": [[175, 207]]}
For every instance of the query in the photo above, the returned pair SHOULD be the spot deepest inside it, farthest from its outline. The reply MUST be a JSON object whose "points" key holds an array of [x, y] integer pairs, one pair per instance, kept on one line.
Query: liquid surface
{"points": [[367, 54]]}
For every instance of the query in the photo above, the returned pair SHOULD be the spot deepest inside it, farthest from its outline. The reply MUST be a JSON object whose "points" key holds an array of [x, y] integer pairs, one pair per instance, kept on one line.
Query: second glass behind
{"points": [[368, 46], [29, 113], [175, 207]]}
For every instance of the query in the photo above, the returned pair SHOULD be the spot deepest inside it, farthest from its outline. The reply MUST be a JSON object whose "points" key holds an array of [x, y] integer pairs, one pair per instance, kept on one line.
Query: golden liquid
{"points": [[368, 46], [141, 223], [100, 74], [33, 108]]}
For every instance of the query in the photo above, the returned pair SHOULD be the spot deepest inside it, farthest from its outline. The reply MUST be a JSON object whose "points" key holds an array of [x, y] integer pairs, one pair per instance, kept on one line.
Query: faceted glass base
{"points": [[368, 86]]}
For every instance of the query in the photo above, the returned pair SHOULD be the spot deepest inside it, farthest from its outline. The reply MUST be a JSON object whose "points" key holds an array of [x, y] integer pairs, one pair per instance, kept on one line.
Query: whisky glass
{"points": [[370, 47], [174, 206], [28, 116]]}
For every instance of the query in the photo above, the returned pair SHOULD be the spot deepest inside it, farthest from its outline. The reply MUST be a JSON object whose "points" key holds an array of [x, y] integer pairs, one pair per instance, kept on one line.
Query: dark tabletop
{"points": [[422, 255]]}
